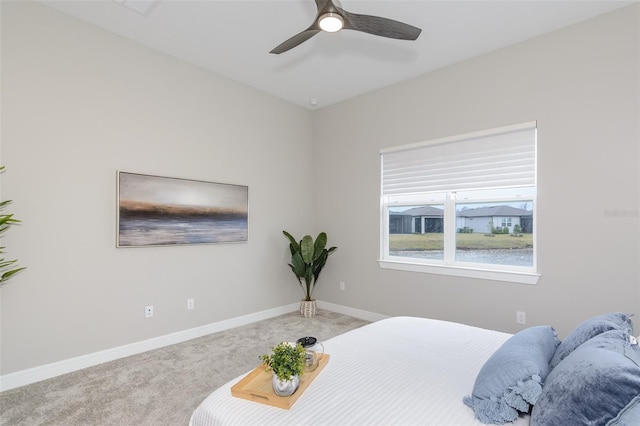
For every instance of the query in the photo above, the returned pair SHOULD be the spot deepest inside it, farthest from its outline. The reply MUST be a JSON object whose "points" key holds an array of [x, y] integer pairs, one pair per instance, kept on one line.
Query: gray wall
{"points": [[582, 85], [79, 103]]}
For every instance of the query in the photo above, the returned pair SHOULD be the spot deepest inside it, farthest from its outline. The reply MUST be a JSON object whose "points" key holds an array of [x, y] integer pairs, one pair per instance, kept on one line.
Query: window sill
{"points": [[466, 272]]}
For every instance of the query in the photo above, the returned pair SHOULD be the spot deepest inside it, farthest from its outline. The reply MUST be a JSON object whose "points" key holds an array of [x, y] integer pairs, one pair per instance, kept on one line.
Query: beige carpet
{"points": [[164, 386]]}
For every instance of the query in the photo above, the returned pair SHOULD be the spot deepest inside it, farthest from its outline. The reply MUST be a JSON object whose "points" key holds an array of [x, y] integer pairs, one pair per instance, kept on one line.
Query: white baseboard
{"points": [[48, 371], [353, 312], [36, 374]]}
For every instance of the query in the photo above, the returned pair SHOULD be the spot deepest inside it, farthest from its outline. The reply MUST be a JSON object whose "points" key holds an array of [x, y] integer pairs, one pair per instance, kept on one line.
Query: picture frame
{"points": [[162, 211]]}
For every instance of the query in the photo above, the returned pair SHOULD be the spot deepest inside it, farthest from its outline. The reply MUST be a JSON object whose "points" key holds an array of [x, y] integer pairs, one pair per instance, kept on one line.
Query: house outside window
{"points": [[462, 206]]}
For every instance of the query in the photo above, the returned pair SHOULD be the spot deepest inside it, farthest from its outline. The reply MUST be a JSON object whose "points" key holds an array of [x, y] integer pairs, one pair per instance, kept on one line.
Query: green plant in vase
{"points": [[308, 257], [287, 361]]}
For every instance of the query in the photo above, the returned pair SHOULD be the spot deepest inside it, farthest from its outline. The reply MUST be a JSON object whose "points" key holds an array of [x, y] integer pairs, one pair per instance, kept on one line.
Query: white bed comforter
{"points": [[398, 371]]}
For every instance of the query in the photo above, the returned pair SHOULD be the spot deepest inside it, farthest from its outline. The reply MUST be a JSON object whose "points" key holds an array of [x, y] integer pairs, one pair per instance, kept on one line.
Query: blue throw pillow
{"points": [[511, 380], [629, 416], [591, 328], [598, 384]]}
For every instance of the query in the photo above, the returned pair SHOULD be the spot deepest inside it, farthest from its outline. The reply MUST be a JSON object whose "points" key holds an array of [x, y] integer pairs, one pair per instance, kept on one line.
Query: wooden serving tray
{"points": [[256, 386]]}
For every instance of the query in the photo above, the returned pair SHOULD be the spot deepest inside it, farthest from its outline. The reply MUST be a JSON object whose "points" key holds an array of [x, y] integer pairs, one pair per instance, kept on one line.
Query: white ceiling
{"points": [[233, 38]]}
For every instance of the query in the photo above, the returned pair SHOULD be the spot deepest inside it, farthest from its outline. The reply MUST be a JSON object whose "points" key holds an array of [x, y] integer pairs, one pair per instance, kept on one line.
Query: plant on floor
{"points": [[6, 221], [308, 257], [286, 360]]}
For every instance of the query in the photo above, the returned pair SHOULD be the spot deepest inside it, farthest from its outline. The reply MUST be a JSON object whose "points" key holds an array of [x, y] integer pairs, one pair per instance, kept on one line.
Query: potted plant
{"points": [[308, 257], [7, 267], [287, 361]]}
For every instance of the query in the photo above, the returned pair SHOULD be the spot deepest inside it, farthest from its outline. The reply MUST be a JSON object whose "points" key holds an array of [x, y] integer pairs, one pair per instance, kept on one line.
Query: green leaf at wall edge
{"points": [[9, 274], [293, 244]]}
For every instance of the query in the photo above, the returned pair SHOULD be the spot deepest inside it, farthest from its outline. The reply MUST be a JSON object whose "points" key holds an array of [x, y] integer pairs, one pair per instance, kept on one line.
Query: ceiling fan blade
{"points": [[306, 34], [296, 40], [375, 25], [383, 27]]}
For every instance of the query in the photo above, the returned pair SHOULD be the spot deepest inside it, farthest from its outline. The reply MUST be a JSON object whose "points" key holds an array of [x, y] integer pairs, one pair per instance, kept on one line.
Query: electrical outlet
{"points": [[148, 311], [521, 317], [190, 304], [342, 286]]}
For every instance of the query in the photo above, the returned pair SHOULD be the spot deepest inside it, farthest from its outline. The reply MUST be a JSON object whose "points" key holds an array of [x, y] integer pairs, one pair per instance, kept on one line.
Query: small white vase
{"points": [[285, 387]]}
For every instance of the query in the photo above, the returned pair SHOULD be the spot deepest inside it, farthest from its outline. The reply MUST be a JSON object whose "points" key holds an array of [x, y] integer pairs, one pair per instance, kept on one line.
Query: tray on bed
{"points": [[256, 386]]}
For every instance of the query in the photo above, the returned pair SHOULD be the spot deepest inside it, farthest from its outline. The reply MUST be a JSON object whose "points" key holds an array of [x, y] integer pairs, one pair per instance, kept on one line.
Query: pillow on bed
{"points": [[597, 384], [511, 379], [629, 416], [591, 328]]}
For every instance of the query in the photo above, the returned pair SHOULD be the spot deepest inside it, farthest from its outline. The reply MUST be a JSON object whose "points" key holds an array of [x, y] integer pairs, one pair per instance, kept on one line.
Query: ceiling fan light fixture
{"points": [[331, 22]]}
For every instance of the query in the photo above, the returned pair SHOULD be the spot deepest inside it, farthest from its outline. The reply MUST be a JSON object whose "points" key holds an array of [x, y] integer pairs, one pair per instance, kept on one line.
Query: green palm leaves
{"points": [[6, 221]]}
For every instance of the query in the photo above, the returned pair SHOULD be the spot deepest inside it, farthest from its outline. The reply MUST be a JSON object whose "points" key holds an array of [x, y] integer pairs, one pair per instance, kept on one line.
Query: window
{"points": [[462, 206], [506, 222]]}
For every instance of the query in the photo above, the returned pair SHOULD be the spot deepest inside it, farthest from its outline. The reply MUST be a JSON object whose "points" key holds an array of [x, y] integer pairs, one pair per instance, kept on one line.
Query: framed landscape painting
{"points": [[159, 211]]}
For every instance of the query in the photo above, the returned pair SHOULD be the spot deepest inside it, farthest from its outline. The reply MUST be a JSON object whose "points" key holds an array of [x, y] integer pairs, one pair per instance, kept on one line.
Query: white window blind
{"points": [[499, 158]]}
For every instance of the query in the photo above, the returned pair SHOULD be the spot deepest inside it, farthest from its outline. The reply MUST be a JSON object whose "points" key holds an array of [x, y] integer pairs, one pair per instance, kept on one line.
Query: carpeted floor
{"points": [[164, 386]]}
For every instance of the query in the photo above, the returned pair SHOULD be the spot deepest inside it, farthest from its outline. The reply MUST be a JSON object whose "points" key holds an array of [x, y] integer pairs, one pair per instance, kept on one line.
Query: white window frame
{"points": [[448, 266]]}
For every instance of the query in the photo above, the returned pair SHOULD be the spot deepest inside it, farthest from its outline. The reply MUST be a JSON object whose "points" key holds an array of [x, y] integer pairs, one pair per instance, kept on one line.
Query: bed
{"points": [[409, 371], [401, 370]]}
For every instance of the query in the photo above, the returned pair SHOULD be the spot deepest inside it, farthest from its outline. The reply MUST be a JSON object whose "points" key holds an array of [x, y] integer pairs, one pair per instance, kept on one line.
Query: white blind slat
{"points": [[503, 159]]}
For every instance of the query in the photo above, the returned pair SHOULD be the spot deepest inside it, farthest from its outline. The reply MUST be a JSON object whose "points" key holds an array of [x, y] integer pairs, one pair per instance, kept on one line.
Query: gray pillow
{"points": [[511, 379], [591, 328], [598, 384]]}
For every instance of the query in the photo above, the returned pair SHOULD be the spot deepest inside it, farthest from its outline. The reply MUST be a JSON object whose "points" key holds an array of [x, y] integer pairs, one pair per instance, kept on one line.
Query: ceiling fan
{"points": [[331, 18]]}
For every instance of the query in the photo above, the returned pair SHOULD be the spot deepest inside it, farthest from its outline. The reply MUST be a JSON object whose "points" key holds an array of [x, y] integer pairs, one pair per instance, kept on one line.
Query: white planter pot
{"points": [[308, 308]]}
